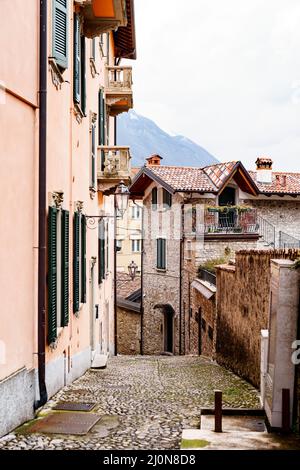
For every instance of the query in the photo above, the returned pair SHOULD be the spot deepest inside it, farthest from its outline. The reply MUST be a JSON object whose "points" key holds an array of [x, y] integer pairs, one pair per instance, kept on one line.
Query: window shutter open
{"points": [[52, 271], [60, 32], [65, 268], [76, 262], [101, 251], [93, 162], [83, 259], [77, 66], [83, 75]]}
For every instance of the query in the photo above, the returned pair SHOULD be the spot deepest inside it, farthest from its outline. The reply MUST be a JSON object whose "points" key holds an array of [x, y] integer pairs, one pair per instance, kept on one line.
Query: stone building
{"points": [[196, 215]]}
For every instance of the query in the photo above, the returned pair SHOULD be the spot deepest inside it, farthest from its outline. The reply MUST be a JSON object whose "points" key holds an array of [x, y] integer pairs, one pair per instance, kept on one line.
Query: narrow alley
{"points": [[143, 403]]}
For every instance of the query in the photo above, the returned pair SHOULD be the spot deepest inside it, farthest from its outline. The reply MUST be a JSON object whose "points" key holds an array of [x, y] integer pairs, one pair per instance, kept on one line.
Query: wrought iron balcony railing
{"points": [[114, 163], [118, 89], [231, 220]]}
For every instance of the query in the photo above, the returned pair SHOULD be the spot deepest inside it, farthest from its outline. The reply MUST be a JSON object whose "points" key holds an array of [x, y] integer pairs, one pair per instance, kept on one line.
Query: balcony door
{"points": [[227, 198]]}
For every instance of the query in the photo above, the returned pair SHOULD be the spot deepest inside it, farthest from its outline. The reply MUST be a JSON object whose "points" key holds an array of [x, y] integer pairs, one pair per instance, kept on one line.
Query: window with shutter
{"points": [[76, 262], [93, 157], [83, 75], [161, 253], [167, 199], [60, 32], [52, 271], [101, 251], [154, 199], [83, 259], [65, 269], [77, 59]]}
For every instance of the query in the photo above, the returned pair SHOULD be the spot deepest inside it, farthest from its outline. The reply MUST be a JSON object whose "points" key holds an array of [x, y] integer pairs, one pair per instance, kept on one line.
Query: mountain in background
{"points": [[145, 138]]}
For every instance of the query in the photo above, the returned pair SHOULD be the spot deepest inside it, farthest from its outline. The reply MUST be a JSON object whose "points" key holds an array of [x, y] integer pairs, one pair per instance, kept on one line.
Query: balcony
{"points": [[231, 222], [118, 89], [101, 16], [114, 165]]}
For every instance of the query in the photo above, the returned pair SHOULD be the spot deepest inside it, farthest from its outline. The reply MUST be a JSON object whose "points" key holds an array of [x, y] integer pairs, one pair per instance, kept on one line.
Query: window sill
{"points": [[56, 74], [79, 114], [161, 270]]}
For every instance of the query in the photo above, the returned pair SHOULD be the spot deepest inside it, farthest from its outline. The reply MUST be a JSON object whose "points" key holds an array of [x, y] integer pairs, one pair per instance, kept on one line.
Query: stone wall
{"points": [[205, 313], [243, 295], [284, 215], [128, 331], [161, 287], [213, 249]]}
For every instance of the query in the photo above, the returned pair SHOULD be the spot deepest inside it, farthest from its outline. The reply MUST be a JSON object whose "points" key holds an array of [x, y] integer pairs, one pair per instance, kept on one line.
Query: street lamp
{"points": [[122, 198], [132, 268]]}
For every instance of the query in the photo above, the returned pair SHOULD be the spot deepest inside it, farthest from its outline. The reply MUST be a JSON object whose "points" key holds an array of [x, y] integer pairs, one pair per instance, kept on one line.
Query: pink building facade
{"points": [[86, 89]]}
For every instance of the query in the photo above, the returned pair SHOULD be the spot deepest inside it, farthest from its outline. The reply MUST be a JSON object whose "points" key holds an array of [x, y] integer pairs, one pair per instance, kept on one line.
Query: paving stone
{"points": [[145, 402]]}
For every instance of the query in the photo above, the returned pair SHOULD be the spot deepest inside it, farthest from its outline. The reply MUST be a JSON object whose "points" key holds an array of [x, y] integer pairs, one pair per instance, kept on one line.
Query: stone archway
{"points": [[167, 327]]}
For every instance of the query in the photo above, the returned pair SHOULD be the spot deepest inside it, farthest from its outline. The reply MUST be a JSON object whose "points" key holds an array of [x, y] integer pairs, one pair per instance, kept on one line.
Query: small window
{"points": [[135, 246], [210, 333], [154, 199], [119, 245], [203, 324], [79, 261], [135, 212], [167, 199], [161, 253]]}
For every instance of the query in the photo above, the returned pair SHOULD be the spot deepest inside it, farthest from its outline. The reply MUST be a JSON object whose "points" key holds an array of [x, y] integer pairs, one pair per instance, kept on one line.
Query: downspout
{"points": [[42, 205], [142, 283], [115, 277], [180, 275]]}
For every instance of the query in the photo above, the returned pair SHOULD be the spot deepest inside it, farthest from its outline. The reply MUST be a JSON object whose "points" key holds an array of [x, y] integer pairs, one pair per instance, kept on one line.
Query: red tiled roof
{"points": [[184, 178], [212, 178], [126, 286], [283, 183]]}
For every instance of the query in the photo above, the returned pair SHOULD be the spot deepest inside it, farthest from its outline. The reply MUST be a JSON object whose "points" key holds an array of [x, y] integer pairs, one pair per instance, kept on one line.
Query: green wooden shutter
{"points": [[77, 55], [65, 268], [83, 259], [60, 32], [76, 262], [101, 123], [163, 253], [158, 253], [101, 251], [52, 272], [83, 75], [93, 160]]}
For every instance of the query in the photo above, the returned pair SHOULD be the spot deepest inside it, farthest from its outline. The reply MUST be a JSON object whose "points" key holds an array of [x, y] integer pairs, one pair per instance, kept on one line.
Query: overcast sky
{"points": [[225, 73]]}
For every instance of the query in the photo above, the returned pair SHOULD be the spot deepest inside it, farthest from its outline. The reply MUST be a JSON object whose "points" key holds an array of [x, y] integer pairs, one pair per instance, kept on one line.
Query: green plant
{"points": [[210, 265]]}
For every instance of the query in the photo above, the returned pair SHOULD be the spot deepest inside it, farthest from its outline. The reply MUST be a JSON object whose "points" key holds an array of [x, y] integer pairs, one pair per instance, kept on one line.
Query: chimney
{"points": [[264, 170], [281, 180], [153, 160]]}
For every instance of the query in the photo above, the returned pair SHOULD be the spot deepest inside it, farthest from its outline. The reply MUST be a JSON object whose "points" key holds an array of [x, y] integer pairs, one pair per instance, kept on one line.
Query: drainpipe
{"points": [[142, 284], [42, 205], [115, 277]]}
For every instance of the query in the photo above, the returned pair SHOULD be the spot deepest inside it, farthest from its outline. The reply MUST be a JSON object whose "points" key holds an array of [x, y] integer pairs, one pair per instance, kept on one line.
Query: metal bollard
{"points": [[218, 411], [286, 410]]}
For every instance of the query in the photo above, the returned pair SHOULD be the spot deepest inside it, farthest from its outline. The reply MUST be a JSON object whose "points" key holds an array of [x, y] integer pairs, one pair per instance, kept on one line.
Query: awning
{"points": [[206, 289]]}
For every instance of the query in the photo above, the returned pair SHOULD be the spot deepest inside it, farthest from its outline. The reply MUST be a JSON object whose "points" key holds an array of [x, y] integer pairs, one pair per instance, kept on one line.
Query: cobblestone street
{"points": [[145, 402]]}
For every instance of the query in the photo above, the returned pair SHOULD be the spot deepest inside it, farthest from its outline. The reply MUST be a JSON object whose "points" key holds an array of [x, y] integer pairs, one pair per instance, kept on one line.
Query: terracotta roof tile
{"points": [[283, 183], [184, 178], [126, 286]]}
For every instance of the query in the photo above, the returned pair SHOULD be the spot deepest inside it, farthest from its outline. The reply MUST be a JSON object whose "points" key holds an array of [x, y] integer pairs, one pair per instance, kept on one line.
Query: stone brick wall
{"points": [[217, 249], [205, 313], [243, 295], [128, 331], [284, 215], [161, 288]]}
